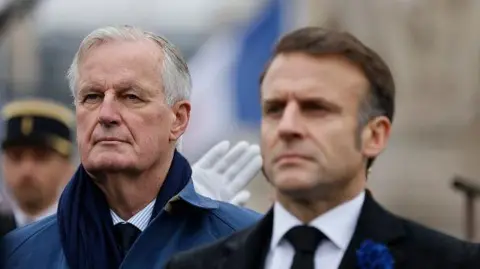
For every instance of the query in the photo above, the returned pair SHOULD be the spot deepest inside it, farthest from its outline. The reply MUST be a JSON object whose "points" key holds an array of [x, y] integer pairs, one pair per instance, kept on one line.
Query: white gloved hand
{"points": [[222, 174]]}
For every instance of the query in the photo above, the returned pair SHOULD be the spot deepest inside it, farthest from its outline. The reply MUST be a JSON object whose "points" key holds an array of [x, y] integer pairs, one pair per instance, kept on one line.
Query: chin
{"points": [[294, 181], [298, 188], [29, 199], [108, 163]]}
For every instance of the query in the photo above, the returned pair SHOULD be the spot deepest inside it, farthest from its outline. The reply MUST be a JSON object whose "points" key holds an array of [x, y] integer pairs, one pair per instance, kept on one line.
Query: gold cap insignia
{"points": [[27, 125]]}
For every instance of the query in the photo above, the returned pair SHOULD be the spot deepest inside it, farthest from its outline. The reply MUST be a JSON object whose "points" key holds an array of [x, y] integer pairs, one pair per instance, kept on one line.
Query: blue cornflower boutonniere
{"points": [[373, 255]]}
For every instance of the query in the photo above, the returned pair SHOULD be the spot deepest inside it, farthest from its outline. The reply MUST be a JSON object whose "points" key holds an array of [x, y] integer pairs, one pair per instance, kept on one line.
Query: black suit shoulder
{"points": [[438, 245], [411, 244], [421, 244]]}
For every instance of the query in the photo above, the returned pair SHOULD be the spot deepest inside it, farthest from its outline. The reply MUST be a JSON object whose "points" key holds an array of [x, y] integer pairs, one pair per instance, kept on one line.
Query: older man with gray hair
{"points": [[131, 202]]}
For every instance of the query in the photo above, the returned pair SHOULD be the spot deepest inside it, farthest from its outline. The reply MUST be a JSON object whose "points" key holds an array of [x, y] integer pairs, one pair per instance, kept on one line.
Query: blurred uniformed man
{"points": [[36, 159]]}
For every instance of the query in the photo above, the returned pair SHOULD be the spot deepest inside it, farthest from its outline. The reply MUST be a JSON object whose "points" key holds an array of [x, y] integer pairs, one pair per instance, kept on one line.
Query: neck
{"points": [[35, 212], [128, 194], [308, 207]]}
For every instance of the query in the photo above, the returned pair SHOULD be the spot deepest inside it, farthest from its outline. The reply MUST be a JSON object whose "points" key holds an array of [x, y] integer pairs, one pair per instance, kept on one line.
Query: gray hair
{"points": [[176, 78]]}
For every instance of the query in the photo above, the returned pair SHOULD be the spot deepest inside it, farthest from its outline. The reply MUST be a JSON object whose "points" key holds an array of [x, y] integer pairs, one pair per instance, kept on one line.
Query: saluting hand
{"points": [[223, 173]]}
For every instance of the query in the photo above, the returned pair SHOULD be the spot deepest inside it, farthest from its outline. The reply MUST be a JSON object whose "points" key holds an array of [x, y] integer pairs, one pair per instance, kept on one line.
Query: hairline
{"points": [[96, 39], [368, 101], [74, 70]]}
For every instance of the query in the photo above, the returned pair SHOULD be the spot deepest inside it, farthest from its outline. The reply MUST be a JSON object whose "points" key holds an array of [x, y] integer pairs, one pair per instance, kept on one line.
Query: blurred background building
{"points": [[432, 47]]}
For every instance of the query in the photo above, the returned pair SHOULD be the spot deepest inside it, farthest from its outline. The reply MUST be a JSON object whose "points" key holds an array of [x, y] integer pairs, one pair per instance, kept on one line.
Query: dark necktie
{"points": [[305, 240], [126, 234]]}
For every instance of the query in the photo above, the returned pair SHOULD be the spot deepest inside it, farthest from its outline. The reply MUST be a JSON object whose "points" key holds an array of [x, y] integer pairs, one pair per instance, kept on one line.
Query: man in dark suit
{"points": [[36, 159], [328, 105]]}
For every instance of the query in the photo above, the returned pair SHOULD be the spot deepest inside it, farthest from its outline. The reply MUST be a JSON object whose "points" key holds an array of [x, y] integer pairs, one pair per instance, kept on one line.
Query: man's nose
{"points": [[28, 164], [109, 113], [291, 124]]}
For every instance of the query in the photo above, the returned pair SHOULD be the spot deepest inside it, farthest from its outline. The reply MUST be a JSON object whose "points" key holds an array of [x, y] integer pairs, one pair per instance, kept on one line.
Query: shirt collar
{"points": [[139, 220], [338, 224], [188, 194]]}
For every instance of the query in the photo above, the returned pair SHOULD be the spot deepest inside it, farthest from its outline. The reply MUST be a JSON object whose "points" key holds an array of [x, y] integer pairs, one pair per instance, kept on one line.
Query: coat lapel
{"points": [[250, 250], [152, 244], [165, 235], [378, 225], [374, 223]]}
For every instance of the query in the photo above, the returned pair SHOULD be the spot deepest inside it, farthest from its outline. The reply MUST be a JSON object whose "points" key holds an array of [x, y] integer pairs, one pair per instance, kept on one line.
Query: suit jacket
{"points": [[7, 223], [411, 245], [188, 220]]}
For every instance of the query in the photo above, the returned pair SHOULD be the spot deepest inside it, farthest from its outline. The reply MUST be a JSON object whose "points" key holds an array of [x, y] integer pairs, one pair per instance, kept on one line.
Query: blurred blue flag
{"points": [[225, 74], [256, 47]]}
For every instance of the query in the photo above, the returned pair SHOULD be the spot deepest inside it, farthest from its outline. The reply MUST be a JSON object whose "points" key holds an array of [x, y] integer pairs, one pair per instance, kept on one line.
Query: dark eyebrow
{"points": [[304, 100], [273, 101], [323, 102]]}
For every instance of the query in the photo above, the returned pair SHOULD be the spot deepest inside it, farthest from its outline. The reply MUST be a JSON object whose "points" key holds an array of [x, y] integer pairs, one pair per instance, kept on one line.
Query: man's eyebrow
{"points": [[306, 99], [274, 100], [121, 87], [125, 85], [88, 86], [299, 98], [321, 101]]}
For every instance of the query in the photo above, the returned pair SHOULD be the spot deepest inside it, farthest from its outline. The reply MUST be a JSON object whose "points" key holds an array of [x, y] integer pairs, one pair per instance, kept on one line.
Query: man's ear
{"points": [[181, 113], [375, 136]]}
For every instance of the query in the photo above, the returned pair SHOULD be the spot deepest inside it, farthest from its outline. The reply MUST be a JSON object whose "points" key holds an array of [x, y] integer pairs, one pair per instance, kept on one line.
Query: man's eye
{"points": [[91, 97], [131, 97], [310, 106], [14, 155], [273, 109]]}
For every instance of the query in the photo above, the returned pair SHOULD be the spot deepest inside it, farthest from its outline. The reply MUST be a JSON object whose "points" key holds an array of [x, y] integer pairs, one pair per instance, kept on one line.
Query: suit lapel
{"points": [[374, 223], [250, 251], [378, 225]]}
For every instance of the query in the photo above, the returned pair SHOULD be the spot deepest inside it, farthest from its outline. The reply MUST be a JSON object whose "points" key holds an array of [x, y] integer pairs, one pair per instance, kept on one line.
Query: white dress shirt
{"points": [[139, 220], [22, 219], [338, 225]]}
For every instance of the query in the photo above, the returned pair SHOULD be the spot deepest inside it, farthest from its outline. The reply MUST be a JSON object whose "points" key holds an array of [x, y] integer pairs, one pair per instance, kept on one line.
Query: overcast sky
{"points": [[179, 15]]}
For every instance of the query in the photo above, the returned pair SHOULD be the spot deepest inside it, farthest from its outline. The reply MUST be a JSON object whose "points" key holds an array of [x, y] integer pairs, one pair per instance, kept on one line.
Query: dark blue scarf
{"points": [[85, 223]]}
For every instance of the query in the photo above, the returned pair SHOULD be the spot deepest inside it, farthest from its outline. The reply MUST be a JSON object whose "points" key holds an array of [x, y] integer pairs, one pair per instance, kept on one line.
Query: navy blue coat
{"points": [[189, 220]]}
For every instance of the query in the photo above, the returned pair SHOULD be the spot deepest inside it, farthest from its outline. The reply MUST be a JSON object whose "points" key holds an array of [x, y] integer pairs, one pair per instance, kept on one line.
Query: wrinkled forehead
{"points": [[121, 62], [142, 46]]}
